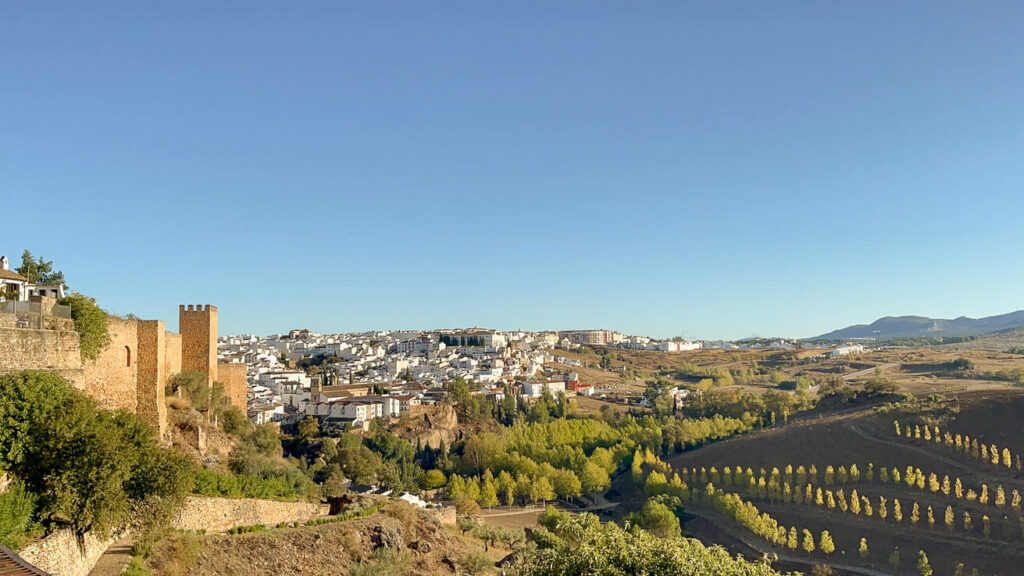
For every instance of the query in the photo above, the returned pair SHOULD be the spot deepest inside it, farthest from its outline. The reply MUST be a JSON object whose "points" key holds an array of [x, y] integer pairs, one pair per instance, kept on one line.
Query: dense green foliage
{"points": [[87, 467], [220, 484], [90, 323], [257, 462], [582, 545]]}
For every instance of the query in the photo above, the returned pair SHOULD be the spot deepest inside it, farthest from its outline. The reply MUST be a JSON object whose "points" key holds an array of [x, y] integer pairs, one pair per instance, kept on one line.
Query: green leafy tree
{"points": [[434, 479], [89, 467], [40, 271], [584, 546], [808, 542], [309, 428], [825, 544], [659, 519]]}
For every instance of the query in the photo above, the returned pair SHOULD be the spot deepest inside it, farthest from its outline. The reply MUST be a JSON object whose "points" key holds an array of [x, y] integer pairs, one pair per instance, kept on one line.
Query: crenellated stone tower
{"points": [[198, 327]]}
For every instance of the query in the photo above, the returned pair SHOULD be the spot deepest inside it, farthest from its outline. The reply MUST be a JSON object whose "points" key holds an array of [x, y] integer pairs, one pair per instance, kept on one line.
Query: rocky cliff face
{"points": [[431, 427]]}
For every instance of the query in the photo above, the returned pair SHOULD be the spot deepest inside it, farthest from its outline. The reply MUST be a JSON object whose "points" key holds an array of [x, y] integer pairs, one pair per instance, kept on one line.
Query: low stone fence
{"points": [[222, 514], [62, 554]]}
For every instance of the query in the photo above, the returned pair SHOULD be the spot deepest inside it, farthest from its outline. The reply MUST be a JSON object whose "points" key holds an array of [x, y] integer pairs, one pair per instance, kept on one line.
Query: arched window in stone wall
{"points": [[128, 356]]}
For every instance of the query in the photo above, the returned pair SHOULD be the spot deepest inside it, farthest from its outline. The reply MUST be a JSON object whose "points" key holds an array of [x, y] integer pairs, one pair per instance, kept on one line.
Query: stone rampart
{"points": [[26, 349], [232, 375], [112, 377]]}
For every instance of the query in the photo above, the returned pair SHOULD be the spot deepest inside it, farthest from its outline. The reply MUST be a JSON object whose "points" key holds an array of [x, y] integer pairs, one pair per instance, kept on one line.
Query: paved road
{"points": [[862, 373]]}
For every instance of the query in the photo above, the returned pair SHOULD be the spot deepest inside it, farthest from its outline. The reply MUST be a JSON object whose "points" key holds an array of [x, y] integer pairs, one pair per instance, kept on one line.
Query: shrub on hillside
{"points": [[234, 422], [17, 508], [90, 323]]}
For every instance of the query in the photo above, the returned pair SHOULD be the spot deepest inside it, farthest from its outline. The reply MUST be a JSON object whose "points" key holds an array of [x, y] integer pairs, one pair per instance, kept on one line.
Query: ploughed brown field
{"points": [[868, 436]]}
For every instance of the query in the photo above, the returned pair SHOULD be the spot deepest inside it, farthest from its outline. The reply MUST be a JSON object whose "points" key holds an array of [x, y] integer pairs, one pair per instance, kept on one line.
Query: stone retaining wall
{"points": [[222, 514], [62, 554]]}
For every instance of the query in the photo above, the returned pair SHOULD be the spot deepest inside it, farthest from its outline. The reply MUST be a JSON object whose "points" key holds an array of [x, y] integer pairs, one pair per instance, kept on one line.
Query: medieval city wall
{"points": [[233, 375]]}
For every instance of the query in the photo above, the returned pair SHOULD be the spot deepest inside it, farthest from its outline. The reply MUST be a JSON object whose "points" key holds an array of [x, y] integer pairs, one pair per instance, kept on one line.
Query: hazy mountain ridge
{"points": [[911, 326]]}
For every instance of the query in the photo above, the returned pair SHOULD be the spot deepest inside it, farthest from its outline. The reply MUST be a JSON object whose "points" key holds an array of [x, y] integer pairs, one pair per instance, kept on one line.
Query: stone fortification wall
{"points": [[222, 514], [198, 327], [232, 375], [62, 554], [24, 349], [152, 374], [111, 378], [172, 354], [132, 371]]}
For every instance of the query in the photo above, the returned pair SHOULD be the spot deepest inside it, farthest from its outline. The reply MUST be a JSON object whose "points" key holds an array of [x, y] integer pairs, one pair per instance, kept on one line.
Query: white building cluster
{"points": [[377, 374]]}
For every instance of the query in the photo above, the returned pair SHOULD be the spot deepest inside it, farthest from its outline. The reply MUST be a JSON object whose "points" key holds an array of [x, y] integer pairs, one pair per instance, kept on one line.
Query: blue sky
{"points": [[711, 170]]}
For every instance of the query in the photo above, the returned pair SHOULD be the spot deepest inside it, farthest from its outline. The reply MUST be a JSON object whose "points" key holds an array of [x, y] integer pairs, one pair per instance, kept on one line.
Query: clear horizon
{"points": [[689, 170]]}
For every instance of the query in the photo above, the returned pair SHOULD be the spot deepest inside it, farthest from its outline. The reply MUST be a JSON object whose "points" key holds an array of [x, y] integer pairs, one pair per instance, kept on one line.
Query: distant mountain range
{"points": [[920, 326]]}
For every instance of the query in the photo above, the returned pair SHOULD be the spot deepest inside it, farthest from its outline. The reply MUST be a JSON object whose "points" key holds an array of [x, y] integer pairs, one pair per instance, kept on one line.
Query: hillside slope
{"points": [[913, 326]]}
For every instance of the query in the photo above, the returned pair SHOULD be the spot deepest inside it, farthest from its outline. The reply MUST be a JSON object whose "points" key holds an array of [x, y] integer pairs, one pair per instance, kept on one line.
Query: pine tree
{"points": [[931, 518], [897, 512], [896, 423], [915, 514], [883, 475], [958, 489], [986, 525], [1015, 500], [933, 482], [1007, 458], [791, 539], [855, 472], [883, 510], [950, 517], [830, 500], [819, 498], [854, 502], [967, 521], [945, 485], [1000, 497], [842, 500], [993, 453], [984, 494], [863, 550]]}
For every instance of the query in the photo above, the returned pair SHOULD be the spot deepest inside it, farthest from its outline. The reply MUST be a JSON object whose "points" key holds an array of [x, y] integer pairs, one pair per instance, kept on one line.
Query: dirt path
{"points": [[115, 559]]}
